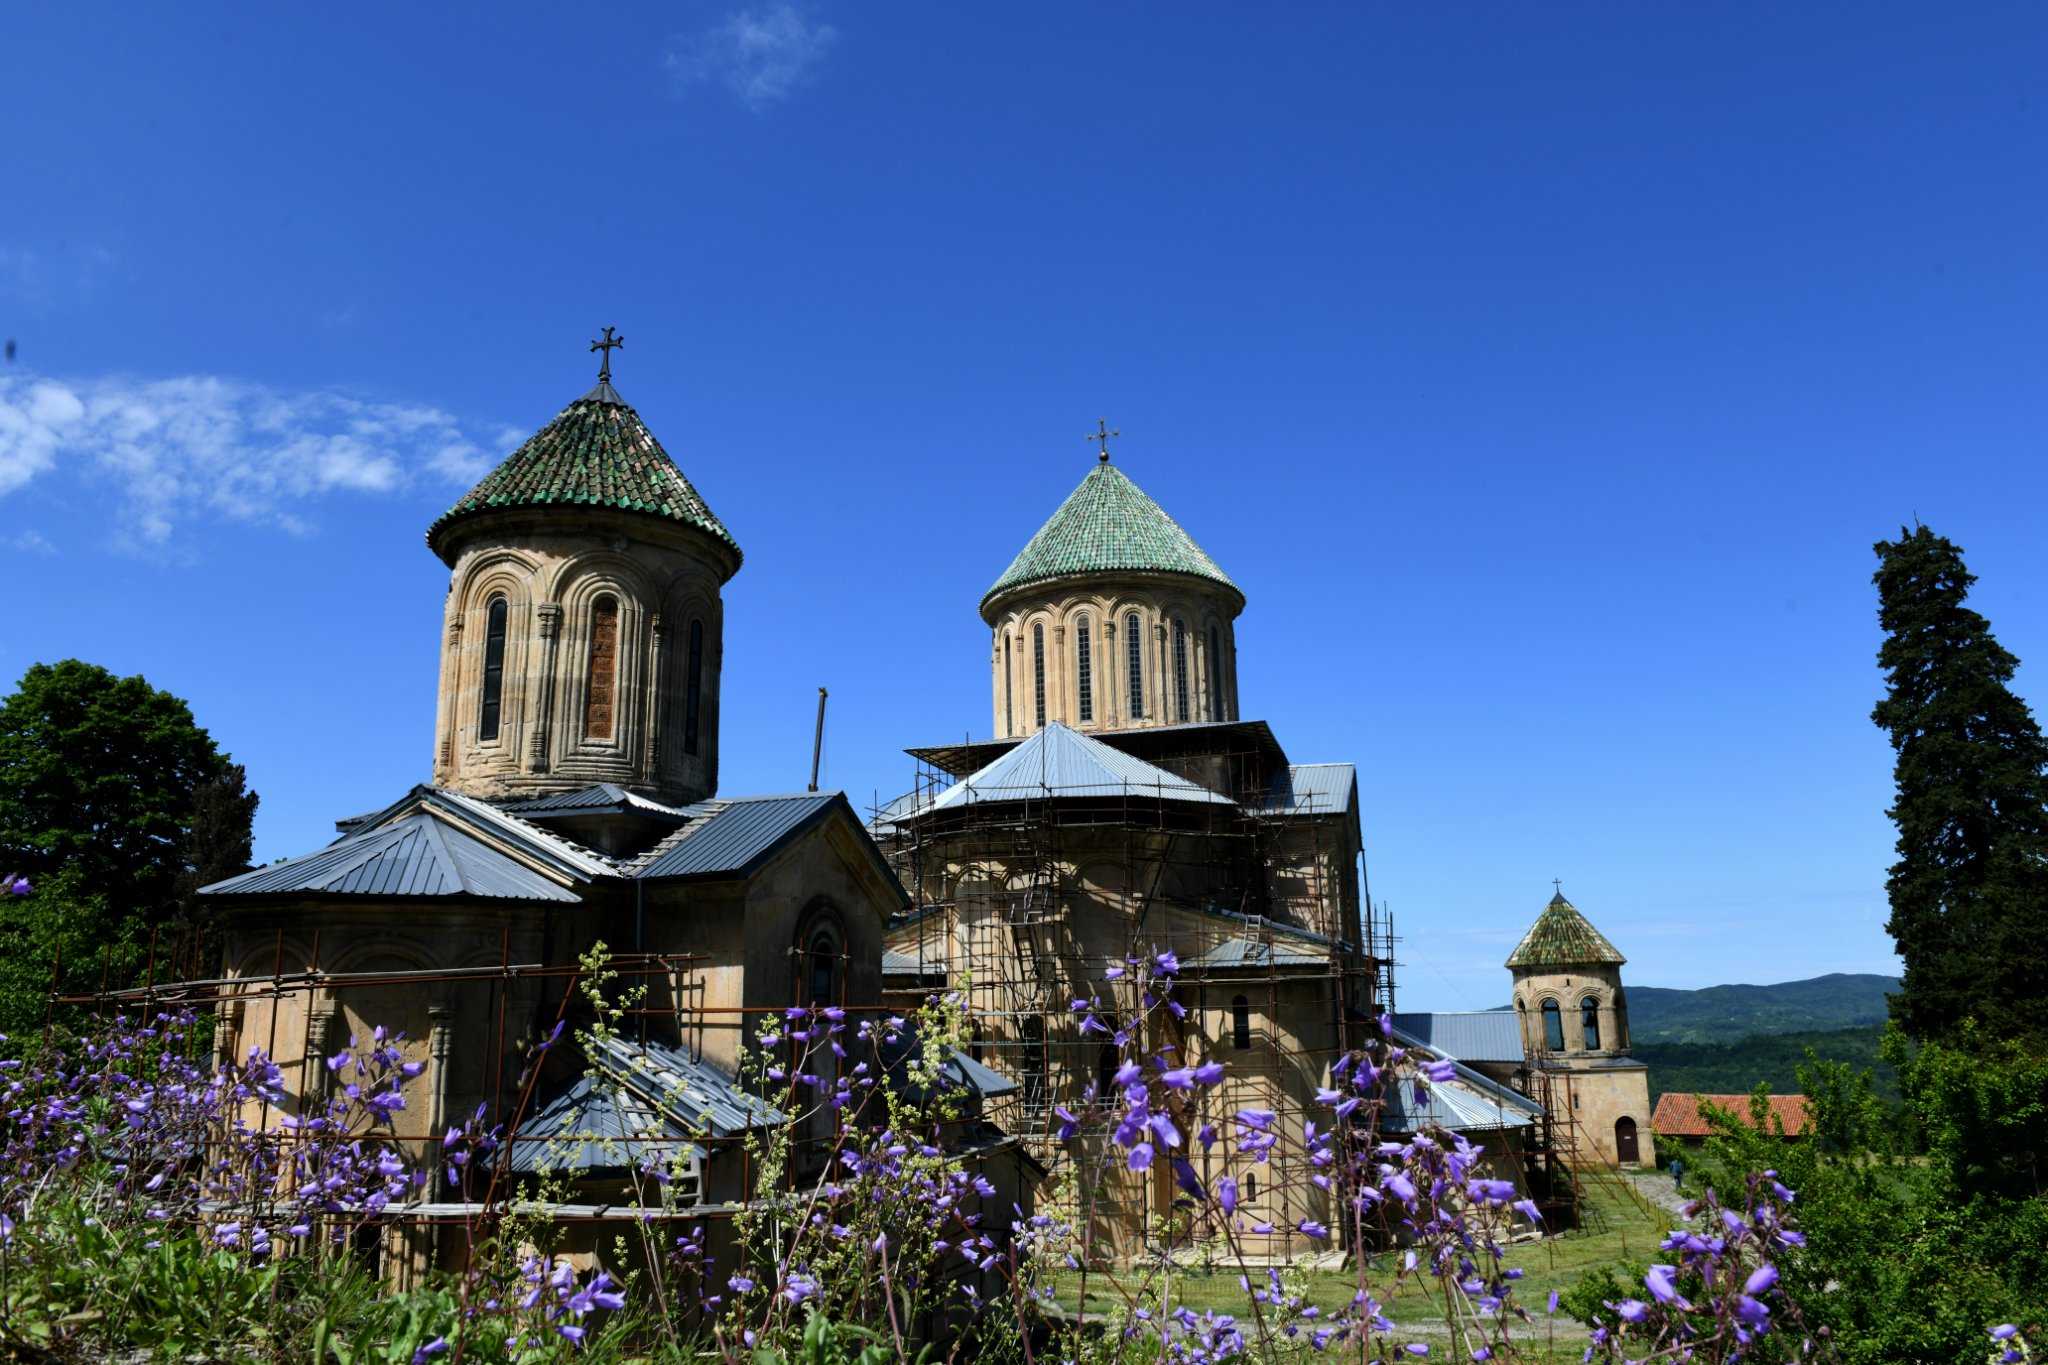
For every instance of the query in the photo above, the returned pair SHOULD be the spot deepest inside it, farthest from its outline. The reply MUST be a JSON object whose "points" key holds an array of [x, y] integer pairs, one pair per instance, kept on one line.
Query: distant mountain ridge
{"points": [[1726, 1014]]}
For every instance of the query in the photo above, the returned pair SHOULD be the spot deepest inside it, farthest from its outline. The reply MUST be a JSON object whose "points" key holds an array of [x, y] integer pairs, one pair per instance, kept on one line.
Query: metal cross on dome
{"points": [[1102, 436], [610, 342]]}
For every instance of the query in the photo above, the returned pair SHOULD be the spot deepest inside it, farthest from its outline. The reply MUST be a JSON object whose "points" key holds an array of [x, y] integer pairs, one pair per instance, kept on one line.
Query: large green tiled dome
{"points": [[596, 453], [1105, 525], [1562, 937]]}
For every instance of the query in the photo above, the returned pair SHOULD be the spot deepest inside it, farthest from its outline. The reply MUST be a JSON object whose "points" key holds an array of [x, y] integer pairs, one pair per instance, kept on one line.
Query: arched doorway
{"points": [[1625, 1150]]}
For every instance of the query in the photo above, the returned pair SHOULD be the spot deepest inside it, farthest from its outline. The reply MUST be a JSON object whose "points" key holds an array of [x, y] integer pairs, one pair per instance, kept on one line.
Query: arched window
{"points": [[1553, 1026], [1105, 1069], [1180, 672], [1589, 1020], [693, 689], [1134, 664], [1216, 708], [494, 669], [1038, 671], [603, 681], [821, 968], [1241, 1022], [1031, 1066], [1084, 676], [1251, 1186], [1009, 695]]}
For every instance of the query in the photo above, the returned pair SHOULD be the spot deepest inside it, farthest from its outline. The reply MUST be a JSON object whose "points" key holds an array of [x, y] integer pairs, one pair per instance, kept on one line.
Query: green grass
{"points": [[1617, 1229]]}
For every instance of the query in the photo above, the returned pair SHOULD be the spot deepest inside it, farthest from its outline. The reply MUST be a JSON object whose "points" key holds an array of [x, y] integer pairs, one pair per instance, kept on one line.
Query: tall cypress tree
{"points": [[1969, 893]]}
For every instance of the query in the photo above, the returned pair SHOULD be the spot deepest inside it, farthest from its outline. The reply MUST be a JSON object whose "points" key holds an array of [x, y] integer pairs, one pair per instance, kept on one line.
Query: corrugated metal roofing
{"points": [[418, 855], [569, 855], [1244, 952], [732, 835], [1060, 763], [1468, 1036], [594, 1126], [1459, 1105], [601, 796], [1313, 789], [695, 1094], [895, 963]]}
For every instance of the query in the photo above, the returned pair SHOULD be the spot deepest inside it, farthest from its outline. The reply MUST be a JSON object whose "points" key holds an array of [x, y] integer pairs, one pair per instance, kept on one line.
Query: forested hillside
{"points": [[1723, 1014], [1773, 1058]]}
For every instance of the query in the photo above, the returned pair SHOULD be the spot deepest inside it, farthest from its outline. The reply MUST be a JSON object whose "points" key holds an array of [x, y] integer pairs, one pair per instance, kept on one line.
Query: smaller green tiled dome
{"points": [[1107, 525], [1562, 937], [596, 453]]}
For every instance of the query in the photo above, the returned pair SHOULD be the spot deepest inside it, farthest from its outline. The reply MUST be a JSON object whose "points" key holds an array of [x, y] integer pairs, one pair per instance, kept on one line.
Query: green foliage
{"points": [[1969, 892], [1769, 1059], [117, 806], [1915, 1243], [1719, 1014]]}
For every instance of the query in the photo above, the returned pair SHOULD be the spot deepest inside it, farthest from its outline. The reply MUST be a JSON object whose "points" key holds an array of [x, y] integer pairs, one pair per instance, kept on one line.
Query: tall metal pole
{"points": [[818, 741]]}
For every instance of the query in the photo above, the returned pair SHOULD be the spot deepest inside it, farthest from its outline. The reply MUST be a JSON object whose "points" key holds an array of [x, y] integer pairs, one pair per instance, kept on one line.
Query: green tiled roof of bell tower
{"points": [[1562, 937], [595, 453], [1106, 525]]}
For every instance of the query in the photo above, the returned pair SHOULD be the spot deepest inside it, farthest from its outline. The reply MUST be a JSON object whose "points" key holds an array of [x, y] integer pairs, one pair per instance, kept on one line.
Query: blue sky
{"points": [[1543, 373]]}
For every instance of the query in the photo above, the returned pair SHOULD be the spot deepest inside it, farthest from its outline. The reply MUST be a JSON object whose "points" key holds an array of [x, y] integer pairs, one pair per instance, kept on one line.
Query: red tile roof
{"points": [[1679, 1115]]}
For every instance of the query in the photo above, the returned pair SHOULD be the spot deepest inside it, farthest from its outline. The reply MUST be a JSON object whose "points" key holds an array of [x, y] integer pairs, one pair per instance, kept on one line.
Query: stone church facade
{"points": [[1127, 807], [574, 800]]}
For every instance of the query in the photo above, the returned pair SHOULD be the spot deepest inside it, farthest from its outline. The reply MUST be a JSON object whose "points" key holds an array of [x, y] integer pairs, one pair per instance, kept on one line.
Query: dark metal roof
{"points": [[1467, 1036], [696, 1094], [603, 798], [1312, 789], [595, 1125], [421, 854], [1148, 742], [1057, 763], [733, 838]]}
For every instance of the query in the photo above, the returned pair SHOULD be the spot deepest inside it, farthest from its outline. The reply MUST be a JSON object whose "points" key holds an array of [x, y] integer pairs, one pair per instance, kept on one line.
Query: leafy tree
{"points": [[1924, 1222], [1969, 893], [117, 807]]}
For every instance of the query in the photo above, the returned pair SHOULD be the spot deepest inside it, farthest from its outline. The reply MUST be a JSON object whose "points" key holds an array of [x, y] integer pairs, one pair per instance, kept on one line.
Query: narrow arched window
{"points": [[1553, 1026], [1031, 1066], [602, 691], [1084, 675], [822, 968], [1241, 1023], [1589, 1020], [1251, 1186], [1009, 696], [494, 669], [693, 689], [1105, 1069], [1180, 672], [1134, 665], [1038, 671], [1216, 710]]}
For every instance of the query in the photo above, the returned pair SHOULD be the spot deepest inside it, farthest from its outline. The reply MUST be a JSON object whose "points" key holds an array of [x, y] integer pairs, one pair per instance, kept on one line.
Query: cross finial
{"points": [[610, 342], [1102, 435], [1557, 885]]}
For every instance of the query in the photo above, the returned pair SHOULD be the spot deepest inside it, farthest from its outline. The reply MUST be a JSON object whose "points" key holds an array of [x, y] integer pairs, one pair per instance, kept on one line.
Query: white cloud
{"points": [[32, 542], [760, 54], [174, 451]]}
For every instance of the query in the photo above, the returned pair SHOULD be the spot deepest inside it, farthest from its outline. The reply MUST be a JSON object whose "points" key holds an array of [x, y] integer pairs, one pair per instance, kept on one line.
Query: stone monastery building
{"points": [[575, 799], [1125, 806]]}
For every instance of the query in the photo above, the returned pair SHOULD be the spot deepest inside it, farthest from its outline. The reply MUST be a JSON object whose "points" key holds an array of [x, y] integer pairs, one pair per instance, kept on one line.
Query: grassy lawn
{"points": [[1617, 1228]]}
